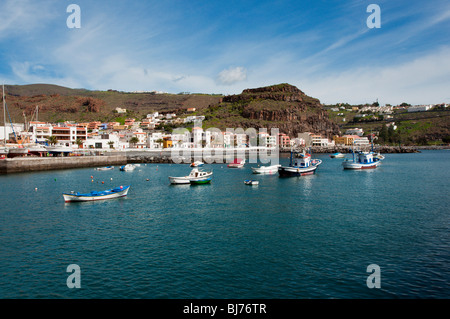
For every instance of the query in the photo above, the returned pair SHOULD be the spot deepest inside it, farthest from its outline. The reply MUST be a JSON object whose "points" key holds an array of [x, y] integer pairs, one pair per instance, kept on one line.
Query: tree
{"points": [[383, 135], [134, 140], [79, 142], [52, 140], [111, 144], [159, 141]]}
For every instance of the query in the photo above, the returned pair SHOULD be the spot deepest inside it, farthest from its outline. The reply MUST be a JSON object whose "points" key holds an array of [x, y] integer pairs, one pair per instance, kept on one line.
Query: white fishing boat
{"points": [[300, 164], [237, 163], [361, 160], [127, 167], [106, 168], [251, 182], [266, 170], [196, 176], [96, 195]]}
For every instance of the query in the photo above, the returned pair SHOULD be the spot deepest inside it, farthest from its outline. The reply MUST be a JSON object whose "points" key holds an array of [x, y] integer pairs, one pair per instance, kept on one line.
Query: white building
{"points": [[355, 131], [419, 108]]}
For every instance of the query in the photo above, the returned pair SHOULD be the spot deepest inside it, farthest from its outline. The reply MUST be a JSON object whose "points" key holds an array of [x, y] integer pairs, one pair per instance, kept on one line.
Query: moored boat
{"points": [[237, 163], [361, 160], [96, 195], [107, 168], [251, 182], [337, 155], [127, 167], [266, 170], [197, 164], [300, 164], [196, 176], [201, 177]]}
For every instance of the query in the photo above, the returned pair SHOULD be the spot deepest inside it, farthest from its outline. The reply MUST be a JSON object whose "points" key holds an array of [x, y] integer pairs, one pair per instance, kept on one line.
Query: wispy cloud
{"points": [[232, 75]]}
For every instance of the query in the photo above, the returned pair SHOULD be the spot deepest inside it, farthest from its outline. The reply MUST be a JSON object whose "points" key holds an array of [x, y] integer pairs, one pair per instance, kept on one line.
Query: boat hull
{"points": [[110, 194], [285, 171], [105, 168], [266, 170], [200, 181], [179, 180], [352, 165]]}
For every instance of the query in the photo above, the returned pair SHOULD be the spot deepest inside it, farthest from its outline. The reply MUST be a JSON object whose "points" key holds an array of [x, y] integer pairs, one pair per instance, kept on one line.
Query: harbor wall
{"points": [[29, 164]]}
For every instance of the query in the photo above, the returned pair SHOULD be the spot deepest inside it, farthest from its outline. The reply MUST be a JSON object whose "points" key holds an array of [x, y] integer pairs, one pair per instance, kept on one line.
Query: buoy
{"points": [[92, 180], [92, 176], [35, 188], [103, 182], [111, 178], [147, 179], [55, 179]]}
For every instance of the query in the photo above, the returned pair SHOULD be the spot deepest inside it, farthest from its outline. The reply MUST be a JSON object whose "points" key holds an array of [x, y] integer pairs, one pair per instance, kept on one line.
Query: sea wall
{"points": [[29, 164], [347, 149]]}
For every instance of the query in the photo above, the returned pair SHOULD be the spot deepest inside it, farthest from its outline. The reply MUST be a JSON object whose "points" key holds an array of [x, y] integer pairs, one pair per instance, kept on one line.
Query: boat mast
{"points": [[4, 115]]}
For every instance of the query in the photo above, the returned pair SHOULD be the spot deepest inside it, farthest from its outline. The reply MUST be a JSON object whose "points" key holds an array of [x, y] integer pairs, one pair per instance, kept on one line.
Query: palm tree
{"points": [[159, 141], [79, 142], [52, 140], [111, 144], [134, 140]]}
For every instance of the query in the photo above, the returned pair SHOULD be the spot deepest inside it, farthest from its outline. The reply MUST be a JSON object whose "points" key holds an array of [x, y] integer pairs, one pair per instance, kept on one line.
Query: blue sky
{"points": [[325, 48]]}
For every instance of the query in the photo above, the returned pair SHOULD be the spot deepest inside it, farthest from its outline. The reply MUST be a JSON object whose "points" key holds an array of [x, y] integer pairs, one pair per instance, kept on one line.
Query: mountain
{"points": [[57, 103], [281, 106]]}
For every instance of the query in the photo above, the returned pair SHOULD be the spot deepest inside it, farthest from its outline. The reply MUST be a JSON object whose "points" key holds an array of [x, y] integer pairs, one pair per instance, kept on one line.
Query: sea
{"points": [[338, 234]]}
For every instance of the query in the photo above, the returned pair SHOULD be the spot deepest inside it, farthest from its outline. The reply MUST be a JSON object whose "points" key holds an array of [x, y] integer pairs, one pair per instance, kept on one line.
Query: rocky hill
{"points": [[58, 103], [281, 106]]}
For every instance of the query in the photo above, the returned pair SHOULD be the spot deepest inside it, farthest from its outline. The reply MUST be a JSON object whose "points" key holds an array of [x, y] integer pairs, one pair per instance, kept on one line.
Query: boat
{"points": [[196, 176], [127, 167], [361, 160], [300, 164], [197, 164], [107, 168], [201, 177], [237, 163], [337, 155], [378, 155], [96, 195], [267, 170], [251, 182]]}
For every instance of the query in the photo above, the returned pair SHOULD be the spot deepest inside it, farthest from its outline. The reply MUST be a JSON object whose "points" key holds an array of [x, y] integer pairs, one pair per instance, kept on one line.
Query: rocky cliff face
{"points": [[281, 106]]}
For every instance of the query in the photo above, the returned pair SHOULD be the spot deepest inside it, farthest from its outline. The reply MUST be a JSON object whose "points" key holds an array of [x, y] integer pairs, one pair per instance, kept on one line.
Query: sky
{"points": [[325, 48]]}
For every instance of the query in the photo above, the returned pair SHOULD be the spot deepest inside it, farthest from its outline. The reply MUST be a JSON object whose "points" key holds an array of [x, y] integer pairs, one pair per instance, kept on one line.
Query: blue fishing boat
{"points": [[96, 195], [300, 164]]}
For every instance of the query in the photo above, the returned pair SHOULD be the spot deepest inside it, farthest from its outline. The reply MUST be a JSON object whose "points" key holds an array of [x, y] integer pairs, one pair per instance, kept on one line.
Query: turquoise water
{"points": [[299, 237]]}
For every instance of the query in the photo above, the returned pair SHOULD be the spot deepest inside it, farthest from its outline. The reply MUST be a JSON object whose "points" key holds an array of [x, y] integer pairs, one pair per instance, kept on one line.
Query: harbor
{"points": [[166, 156], [300, 237]]}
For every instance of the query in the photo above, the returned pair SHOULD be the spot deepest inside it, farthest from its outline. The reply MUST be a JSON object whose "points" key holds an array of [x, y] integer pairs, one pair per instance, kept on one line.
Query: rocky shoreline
{"points": [[379, 148]]}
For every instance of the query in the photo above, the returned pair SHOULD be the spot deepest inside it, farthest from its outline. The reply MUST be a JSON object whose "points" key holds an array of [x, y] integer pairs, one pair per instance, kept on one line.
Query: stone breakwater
{"points": [[381, 149], [29, 164]]}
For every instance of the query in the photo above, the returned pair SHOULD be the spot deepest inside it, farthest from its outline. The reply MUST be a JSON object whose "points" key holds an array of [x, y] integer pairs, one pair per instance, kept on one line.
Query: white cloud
{"points": [[420, 81], [232, 75]]}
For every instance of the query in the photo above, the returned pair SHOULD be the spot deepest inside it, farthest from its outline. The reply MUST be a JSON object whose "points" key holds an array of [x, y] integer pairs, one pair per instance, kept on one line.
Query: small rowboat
{"points": [[96, 195], [107, 168], [237, 163], [251, 182]]}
